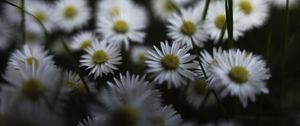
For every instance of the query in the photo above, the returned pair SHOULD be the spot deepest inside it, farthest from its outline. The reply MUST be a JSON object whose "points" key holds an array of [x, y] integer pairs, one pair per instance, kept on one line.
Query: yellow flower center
{"points": [[220, 21], [31, 36], [32, 88], [33, 61], [70, 11], [200, 86], [127, 116], [170, 62], [41, 16], [168, 6], [142, 58], [188, 28], [121, 26], [246, 6], [239, 74], [100, 57], [85, 44]]}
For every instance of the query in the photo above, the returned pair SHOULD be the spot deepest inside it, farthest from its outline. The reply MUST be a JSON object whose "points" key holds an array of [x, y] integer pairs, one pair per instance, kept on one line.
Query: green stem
{"points": [[23, 27], [76, 65], [229, 20], [206, 7]]}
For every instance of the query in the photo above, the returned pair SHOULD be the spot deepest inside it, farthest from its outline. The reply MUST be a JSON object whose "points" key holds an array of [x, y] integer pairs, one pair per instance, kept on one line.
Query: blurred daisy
{"points": [[216, 20], [73, 81], [207, 60], [82, 40], [129, 100], [123, 28], [172, 64], [34, 34], [196, 92], [163, 9], [186, 28], [138, 54], [166, 116], [43, 12], [72, 14], [255, 12], [33, 83], [90, 122], [112, 8], [243, 74], [282, 3], [102, 58], [30, 55], [5, 34]]}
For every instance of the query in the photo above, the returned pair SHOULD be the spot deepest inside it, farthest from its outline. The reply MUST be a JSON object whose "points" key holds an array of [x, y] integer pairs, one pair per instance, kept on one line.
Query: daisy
{"points": [[101, 58], [42, 12], [5, 34], [30, 55], [73, 81], [72, 14], [138, 54], [90, 122], [163, 9], [166, 116], [207, 60], [197, 91], [255, 12], [33, 83], [114, 8], [123, 28], [129, 100], [172, 64], [216, 19], [186, 28], [242, 74], [82, 40], [34, 34]]}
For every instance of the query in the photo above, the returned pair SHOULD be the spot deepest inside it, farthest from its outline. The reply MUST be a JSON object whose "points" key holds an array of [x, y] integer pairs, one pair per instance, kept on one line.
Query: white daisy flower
{"points": [[129, 100], [207, 60], [43, 12], [138, 54], [33, 83], [216, 19], [163, 9], [5, 34], [186, 28], [196, 92], [34, 34], [112, 8], [123, 28], [90, 122], [30, 55], [172, 64], [166, 116], [282, 3], [255, 12], [102, 58], [72, 14], [82, 40], [243, 74]]}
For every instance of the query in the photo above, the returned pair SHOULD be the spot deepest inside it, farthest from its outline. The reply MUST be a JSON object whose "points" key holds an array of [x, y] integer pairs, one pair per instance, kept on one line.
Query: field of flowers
{"points": [[149, 62]]}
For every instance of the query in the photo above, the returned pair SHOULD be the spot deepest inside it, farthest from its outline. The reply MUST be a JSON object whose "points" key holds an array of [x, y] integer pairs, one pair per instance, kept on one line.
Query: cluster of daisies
{"points": [[35, 89]]}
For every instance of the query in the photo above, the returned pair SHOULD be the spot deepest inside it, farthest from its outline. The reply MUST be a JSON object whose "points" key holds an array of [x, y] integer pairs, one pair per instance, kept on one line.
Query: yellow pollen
{"points": [[41, 16], [220, 21], [70, 11], [115, 11], [121, 26], [239, 74], [32, 88], [188, 28], [85, 44], [127, 116], [100, 57], [142, 57], [33, 61], [168, 6], [170, 62], [246, 6]]}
